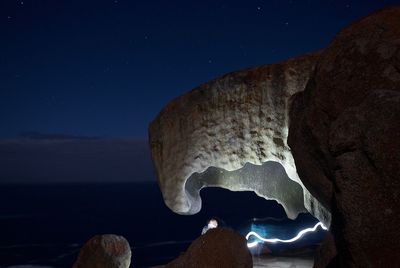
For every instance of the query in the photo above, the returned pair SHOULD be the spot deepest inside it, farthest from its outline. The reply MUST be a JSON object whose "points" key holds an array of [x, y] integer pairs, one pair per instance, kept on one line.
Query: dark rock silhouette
{"points": [[345, 131], [104, 251], [326, 254], [218, 248]]}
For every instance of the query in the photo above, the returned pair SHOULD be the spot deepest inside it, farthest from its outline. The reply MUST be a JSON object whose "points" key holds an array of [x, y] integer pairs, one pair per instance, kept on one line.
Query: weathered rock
{"points": [[104, 251], [218, 248], [345, 131], [239, 118]]}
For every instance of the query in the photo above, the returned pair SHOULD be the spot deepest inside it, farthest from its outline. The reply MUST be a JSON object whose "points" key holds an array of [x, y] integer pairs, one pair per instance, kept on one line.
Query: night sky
{"points": [[105, 68]]}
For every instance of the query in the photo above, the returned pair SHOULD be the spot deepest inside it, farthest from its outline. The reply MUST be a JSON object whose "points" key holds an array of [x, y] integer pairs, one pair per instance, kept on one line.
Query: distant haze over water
{"points": [[59, 158]]}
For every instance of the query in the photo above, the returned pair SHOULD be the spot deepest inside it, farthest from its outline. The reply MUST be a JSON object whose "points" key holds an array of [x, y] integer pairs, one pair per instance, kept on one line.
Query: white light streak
{"points": [[252, 244], [275, 240]]}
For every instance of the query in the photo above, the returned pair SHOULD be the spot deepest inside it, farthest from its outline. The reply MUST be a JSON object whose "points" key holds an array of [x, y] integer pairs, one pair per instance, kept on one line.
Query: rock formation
{"points": [[218, 248], [331, 119], [239, 118], [345, 131], [104, 251]]}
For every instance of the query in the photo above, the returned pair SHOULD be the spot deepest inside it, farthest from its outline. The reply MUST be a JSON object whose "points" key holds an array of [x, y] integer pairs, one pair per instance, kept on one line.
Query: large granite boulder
{"points": [[345, 131], [218, 248], [104, 251]]}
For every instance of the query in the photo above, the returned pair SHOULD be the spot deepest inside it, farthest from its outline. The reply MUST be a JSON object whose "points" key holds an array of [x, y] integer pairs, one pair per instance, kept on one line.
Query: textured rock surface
{"points": [[345, 131], [268, 180], [218, 248], [104, 251], [239, 118]]}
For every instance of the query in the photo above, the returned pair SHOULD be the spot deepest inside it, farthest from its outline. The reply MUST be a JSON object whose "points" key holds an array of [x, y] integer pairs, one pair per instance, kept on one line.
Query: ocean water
{"points": [[45, 225]]}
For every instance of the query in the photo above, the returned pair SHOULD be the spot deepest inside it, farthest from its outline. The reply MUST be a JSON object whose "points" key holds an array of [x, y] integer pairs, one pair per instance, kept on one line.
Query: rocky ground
{"points": [[282, 262], [278, 262]]}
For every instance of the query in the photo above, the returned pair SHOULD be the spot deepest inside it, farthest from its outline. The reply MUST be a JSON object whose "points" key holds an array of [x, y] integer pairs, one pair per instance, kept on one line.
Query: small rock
{"points": [[104, 251], [219, 248]]}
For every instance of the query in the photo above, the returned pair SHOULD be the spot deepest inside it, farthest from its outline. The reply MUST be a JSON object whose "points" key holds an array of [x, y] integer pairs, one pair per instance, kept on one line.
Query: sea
{"points": [[45, 225]]}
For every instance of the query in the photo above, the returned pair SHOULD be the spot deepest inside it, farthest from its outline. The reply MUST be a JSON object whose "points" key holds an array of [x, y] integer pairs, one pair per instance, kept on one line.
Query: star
{"points": [[258, 8]]}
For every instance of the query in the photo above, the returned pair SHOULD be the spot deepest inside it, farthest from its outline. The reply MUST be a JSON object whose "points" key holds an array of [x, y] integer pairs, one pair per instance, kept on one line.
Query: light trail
{"points": [[275, 240]]}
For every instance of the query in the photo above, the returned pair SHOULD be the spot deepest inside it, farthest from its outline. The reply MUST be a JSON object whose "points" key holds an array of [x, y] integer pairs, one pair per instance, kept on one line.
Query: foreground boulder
{"points": [[345, 131], [218, 248], [104, 251]]}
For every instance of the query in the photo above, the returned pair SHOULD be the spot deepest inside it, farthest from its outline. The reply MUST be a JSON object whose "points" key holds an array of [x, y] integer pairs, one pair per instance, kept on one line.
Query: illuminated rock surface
{"points": [[345, 132], [239, 118], [104, 251], [268, 180], [218, 248]]}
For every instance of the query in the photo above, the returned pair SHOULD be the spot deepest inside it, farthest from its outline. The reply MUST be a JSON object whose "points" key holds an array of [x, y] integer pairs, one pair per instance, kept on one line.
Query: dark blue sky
{"points": [[105, 68]]}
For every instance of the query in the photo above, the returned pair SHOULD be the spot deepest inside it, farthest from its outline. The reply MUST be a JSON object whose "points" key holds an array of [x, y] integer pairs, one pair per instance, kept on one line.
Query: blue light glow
{"points": [[275, 240]]}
